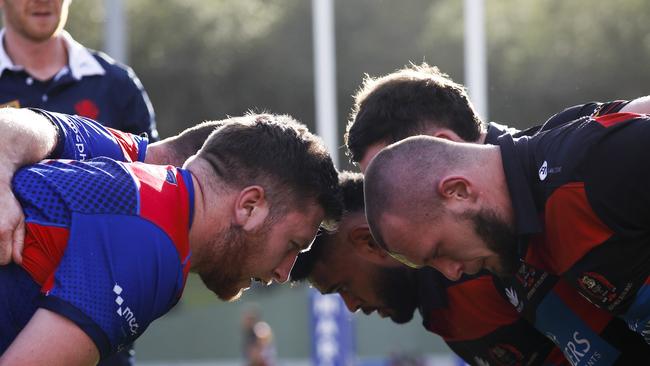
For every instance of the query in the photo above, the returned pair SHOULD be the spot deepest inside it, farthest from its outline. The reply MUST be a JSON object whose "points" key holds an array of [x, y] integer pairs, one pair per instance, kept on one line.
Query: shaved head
{"points": [[403, 179]]}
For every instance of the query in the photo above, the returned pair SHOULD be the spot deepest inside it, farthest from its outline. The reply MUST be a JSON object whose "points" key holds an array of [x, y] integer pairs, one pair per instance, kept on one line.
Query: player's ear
{"points": [[447, 134], [457, 192], [365, 245], [251, 207]]}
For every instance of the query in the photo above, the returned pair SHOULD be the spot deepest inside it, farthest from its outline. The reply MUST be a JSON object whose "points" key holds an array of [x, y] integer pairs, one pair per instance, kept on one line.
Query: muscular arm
{"points": [[25, 137], [50, 339]]}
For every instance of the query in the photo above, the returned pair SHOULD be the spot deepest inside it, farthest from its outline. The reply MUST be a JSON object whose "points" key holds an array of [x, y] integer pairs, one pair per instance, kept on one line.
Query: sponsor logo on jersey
{"points": [[511, 293], [506, 355], [576, 350], [543, 171], [530, 278], [125, 312], [79, 143], [171, 177], [597, 288]]}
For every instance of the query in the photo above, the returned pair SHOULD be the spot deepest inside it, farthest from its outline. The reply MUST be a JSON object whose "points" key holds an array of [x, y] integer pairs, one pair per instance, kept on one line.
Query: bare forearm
{"points": [[50, 339], [25, 137]]}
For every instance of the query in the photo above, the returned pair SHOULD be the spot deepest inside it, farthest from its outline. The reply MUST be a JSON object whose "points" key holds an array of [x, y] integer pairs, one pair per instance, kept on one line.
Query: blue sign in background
{"points": [[332, 331]]}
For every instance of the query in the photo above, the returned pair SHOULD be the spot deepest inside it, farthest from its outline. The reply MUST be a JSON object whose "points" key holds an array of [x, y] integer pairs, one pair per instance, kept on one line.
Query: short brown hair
{"points": [[408, 102], [281, 155]]}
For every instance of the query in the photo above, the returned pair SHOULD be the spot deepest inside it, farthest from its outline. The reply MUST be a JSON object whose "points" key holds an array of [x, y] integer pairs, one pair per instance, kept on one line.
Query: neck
{"points": [[42, 60], [210, 217], [157, 154], [490, 170]]}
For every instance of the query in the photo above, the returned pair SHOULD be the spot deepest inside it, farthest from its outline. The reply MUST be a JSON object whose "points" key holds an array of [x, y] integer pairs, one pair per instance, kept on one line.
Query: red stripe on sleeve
{"points": [[613, 119], [127, 143]]}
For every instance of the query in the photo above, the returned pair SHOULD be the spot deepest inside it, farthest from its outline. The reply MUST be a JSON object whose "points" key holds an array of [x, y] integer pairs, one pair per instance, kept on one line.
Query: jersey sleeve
{"points": [[81, 138], [592, 109]]}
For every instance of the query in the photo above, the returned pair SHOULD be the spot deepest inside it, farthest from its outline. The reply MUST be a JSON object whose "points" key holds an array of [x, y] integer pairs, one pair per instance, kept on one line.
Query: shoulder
{"points": [[114, 69]]}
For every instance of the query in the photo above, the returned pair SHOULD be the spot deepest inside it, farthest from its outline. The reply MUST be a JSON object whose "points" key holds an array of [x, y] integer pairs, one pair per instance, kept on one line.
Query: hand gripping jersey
{"points": [[579, 193], [107, 243], [479, 325]]}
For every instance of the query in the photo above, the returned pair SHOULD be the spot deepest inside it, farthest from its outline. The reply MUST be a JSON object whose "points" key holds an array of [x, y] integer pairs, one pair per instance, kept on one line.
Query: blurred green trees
{"points": [[205, 59]]}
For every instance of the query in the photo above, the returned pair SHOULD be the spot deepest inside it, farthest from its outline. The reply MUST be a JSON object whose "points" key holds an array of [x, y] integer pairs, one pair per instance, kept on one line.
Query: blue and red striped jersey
{"points": [[107, 242]]}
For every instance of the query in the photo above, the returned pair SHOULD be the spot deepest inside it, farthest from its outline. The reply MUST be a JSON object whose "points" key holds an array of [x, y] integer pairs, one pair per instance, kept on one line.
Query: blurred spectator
{"points": [[258, 346], [42, 66]]}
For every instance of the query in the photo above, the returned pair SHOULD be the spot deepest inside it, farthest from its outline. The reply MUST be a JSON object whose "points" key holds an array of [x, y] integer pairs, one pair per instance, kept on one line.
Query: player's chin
{"points": [[401, 317], [474, 267], [232, 295], [233, 292]]}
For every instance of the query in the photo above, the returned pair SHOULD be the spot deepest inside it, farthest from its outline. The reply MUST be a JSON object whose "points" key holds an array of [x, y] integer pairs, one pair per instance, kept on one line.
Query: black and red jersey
{"points": [[479, 325], [582, 212]]}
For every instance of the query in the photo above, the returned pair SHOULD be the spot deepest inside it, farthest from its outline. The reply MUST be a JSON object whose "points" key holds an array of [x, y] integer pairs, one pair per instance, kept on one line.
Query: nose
{"points": [[451, 269], [282, 271], [351, 302]]}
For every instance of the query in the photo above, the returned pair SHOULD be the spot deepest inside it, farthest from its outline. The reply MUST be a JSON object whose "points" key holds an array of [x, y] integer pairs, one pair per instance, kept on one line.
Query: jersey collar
{"points": [[80, 61], [515, 166]]}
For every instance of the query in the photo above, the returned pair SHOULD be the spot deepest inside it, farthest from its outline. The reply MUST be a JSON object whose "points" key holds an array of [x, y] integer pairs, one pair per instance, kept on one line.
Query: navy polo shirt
{"points": [[92, 85]]}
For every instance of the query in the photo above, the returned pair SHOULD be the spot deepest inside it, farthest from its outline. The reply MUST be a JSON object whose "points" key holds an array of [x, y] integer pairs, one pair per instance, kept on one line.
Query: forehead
{"points": [[334, 268], [303, 223], [393, 229], [403, 236]]}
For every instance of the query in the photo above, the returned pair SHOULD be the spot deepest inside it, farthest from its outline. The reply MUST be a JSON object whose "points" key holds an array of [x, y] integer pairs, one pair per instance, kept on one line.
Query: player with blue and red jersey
{"points": [[108, 243]]}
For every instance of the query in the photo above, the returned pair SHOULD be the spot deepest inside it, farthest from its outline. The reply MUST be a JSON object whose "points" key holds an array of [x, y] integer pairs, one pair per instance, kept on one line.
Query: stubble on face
{"points": [[499, 238], [29, 25], [397, 288], [224, 267]]}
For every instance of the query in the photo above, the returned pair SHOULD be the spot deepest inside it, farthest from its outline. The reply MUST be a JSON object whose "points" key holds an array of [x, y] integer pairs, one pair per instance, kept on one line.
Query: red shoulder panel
{"points": [[164, 201], [571, 230]]}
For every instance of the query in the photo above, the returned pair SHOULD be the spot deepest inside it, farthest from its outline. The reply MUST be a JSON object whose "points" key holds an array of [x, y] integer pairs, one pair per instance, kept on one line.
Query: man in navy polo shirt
{"points": [[559, 213], [42, 66]]}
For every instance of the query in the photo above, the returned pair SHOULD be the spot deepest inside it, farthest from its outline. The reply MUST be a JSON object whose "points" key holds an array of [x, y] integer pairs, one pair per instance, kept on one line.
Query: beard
{"points": [[397, 287], [225, 265], [500, 238]]}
